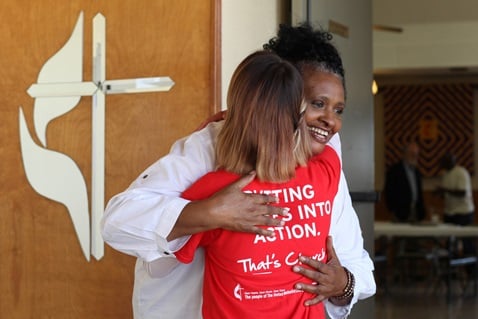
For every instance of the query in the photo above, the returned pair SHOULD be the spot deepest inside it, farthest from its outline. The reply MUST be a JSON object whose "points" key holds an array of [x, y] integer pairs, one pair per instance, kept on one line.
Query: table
{"points": [[436, 231], [424, 229]]}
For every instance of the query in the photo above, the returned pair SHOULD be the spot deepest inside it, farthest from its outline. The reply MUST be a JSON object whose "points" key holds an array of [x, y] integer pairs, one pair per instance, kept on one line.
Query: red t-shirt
{"points": [[250, 276]]}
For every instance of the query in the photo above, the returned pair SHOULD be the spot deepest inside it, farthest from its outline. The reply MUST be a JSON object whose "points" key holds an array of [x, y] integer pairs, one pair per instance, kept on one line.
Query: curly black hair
{"points": [[303, 45]]}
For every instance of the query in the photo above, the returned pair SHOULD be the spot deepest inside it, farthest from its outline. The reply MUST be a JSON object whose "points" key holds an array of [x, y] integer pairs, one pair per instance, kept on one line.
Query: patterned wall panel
{"points": [[439, 117]]}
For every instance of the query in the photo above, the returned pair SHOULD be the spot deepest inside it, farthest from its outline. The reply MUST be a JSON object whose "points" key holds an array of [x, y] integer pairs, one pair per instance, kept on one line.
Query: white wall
{"points": [[246, 26], [434, 45], [436, 34]]}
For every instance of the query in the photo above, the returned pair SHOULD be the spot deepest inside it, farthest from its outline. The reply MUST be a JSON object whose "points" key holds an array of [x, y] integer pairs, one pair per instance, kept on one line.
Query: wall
{"points": [[246, 26], [449, 98], [436, 34], [437, 116], [434, 45]]}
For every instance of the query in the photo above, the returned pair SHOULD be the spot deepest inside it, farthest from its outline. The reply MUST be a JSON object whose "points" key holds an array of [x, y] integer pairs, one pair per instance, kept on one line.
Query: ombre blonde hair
{"points": [[264, 128]]}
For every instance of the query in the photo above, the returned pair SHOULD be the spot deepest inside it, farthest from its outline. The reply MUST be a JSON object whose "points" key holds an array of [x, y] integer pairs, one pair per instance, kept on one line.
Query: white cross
{"points": [[98, 88]]}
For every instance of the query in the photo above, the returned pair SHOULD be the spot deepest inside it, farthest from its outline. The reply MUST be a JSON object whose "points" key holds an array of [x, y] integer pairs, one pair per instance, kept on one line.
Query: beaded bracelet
{"points": [[349, 287]]}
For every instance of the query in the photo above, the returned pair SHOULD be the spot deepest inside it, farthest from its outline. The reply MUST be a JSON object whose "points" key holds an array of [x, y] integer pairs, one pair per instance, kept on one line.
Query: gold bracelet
{"points": [[349, 287]]}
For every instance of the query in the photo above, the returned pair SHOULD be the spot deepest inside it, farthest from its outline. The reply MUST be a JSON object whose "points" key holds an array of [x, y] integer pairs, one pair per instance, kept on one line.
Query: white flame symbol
{"points": [[237, 292], [53, 174]]}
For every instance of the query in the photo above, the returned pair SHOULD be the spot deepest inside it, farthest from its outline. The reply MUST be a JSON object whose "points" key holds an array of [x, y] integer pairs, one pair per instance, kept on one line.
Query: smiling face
{"points": [[325, 97]]}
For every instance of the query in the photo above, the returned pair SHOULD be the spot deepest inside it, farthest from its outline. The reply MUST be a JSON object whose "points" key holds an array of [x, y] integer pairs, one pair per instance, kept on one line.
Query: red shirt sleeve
{"points": [[186, 253]]}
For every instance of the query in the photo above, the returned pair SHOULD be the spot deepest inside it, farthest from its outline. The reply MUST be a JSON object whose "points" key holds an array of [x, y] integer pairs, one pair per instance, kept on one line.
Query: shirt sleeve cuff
{"points": [[338, 312], [166, 224]]}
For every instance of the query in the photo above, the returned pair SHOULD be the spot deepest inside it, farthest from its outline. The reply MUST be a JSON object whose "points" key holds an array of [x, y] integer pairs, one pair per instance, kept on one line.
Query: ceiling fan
{"points": [[343, 30], [387, 28]]}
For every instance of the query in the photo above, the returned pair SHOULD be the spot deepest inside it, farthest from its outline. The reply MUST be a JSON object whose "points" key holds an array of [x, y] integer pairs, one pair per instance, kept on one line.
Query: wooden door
{"points": [[43, 271]]}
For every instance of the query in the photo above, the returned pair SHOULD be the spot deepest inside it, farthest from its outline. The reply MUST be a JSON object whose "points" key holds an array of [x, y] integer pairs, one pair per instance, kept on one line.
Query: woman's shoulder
{"points": [[206, 135], [209, 184]]}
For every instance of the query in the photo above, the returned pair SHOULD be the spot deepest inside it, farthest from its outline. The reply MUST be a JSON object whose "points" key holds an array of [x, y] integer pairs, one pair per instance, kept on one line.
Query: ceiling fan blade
{"points": [[387, 28]]}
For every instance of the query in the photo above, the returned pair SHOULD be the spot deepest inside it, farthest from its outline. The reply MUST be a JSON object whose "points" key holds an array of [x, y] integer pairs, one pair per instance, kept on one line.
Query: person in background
{"points": [[459, 208], [403, 187], [149, 220]]}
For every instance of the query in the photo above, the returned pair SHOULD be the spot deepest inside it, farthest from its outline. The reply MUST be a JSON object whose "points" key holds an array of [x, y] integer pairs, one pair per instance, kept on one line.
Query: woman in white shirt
{"points": [[150, 221]]}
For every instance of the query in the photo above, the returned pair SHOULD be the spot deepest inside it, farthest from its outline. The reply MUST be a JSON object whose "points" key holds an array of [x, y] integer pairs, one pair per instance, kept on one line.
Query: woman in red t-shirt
{"points": [[249, 275]]}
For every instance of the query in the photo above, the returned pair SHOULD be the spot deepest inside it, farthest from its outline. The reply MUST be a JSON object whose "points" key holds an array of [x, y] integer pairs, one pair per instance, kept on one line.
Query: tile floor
{"points": [[425, 300]]}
